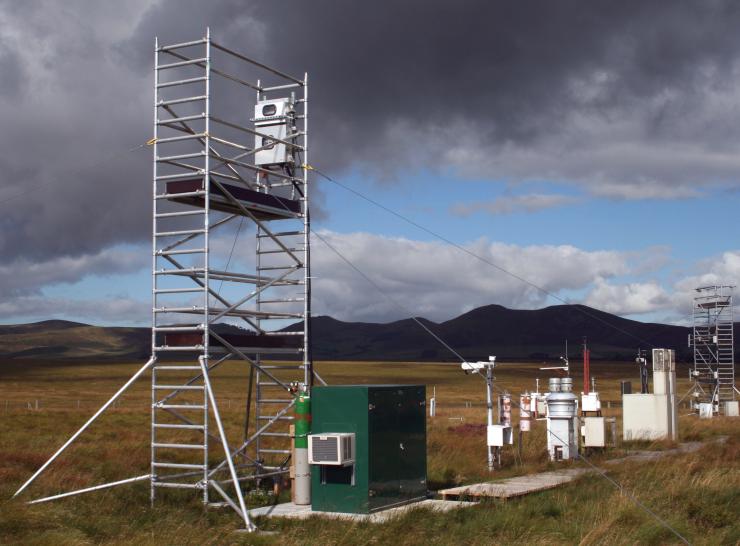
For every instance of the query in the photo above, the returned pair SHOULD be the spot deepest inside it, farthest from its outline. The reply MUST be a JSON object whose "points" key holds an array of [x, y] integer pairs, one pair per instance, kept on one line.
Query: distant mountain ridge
{"points": [[489, 330], [496, 330], [66, 340]]}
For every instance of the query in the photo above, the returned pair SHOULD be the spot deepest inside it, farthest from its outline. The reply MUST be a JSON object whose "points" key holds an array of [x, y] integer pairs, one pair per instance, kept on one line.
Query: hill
{"points": [[495, 330], [65, 340], [489, 330]]}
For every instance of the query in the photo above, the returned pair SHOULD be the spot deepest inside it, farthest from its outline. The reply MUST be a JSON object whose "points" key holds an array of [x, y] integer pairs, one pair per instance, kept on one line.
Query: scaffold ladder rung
{"points": [[181, 100], [177, 426], [281, 251], [193, 141], [178, 290], [177, 446], [195, 212], [183, 466], [172, 485], [182, 251], [185, 81], [178, 387], [180, 232], [182, 349], [179, 406]]}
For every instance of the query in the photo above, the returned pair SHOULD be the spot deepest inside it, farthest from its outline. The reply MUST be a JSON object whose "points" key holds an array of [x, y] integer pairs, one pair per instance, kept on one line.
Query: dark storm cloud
{"points": [[506, 69], [12, 77], [597, 93]]}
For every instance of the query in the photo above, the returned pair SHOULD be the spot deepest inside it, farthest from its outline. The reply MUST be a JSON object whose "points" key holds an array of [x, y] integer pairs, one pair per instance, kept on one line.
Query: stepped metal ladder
{"points": [[175, 460], [199, 186], [272, 449], [204, 178], [713, 342]]}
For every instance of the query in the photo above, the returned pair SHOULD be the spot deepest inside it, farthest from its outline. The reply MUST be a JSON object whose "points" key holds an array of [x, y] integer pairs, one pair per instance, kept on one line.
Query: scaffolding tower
{"points": [[230, 155], [713, 344]]}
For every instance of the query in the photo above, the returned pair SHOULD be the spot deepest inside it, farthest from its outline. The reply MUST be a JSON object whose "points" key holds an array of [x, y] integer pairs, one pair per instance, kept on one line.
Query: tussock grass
{"points": [[698, 493]]}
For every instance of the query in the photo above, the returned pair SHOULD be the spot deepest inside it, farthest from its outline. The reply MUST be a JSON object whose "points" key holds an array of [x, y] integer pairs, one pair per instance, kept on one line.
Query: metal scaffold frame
{"points": [[712, 340], [206, 175]]}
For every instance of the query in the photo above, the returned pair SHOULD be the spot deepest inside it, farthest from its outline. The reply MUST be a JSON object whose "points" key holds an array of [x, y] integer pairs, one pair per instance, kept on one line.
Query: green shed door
{"points": [[412, 469], [384, 436]]}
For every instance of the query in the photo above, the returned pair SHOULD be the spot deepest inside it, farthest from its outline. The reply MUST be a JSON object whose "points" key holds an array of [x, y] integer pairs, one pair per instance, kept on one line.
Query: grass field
{"points": [[697, 493]]}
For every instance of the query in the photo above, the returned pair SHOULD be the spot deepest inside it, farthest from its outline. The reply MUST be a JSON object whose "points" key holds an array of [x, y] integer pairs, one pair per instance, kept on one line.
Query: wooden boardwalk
{"points": [[531, 483], [455, 497], [513, 487]]}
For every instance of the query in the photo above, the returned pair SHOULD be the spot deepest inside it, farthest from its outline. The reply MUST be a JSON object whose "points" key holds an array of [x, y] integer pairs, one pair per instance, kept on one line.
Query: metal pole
{"points": [[489, 406], [227, 451], [206, 265], [307, 355], [82, 429], [586, 367], [152, 441], [88, 489]]}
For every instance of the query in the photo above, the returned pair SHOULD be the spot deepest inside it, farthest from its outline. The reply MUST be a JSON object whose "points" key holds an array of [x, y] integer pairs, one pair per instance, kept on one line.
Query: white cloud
{"points": [[23, 277], [421, 278], [628, 299], [438, 281], [109, 311], [722, 269], [510, 204], [719, 270], [22, 285]]}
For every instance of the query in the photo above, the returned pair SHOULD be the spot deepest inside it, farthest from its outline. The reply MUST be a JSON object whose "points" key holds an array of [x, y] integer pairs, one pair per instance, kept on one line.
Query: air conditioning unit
{"points": [[331, 448]]}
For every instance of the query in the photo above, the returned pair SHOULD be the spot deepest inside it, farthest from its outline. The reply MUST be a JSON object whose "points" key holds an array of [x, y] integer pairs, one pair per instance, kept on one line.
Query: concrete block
{"points": [[594, 432], [731, 408], [647, 416]]}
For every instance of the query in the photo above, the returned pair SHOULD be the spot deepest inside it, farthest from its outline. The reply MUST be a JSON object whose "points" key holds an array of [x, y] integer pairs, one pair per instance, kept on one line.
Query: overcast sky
{"points": [[589, 147]]}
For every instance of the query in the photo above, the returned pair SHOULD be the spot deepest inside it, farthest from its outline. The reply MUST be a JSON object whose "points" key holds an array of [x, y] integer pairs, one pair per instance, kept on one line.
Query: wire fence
{"points": [[42, 404], [45, 404]]}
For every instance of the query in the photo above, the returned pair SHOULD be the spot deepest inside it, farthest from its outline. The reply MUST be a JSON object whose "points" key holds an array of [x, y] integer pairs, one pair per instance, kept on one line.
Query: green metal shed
{"points": [[390, 468]]}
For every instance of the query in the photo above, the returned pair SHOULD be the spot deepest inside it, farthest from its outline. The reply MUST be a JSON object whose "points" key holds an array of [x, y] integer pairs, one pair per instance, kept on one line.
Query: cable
{"points": [[634, 499], [95, 164], [453, 351], [386, 296], [604, 475], [233, 245], [478, 257], [457, 354]]}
